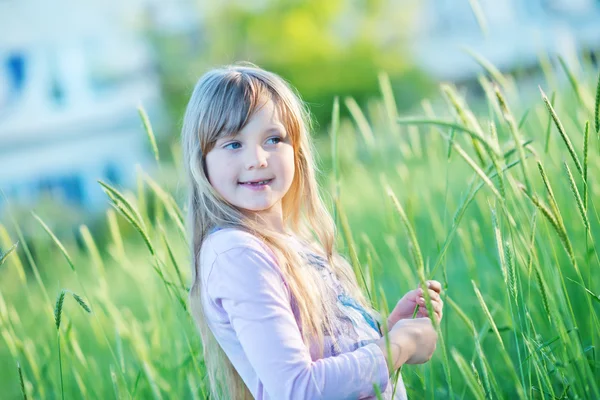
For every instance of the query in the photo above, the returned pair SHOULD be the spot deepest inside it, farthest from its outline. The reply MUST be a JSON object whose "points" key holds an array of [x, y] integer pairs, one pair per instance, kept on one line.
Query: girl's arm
{"points": [[245, 283]]}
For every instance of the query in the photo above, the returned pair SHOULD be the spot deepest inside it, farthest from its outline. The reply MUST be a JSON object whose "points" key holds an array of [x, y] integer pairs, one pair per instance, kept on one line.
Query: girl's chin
{"points": [[256, 207]]}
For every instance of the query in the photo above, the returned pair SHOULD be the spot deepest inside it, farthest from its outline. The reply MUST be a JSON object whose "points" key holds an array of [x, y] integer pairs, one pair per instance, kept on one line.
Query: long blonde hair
{"points": [[222, 103]]}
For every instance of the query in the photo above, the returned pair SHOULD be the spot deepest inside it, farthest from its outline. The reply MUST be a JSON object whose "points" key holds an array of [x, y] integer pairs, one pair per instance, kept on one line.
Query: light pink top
{"points": [[251, 313]]}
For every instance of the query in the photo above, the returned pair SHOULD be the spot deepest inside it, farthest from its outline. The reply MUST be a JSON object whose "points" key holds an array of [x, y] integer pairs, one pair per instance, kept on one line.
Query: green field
{"points": [[500, 203]]}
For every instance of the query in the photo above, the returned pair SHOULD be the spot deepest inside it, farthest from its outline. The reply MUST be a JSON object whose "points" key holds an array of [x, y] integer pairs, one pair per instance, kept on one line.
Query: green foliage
{"points": [[519, 265], [324, 48]]}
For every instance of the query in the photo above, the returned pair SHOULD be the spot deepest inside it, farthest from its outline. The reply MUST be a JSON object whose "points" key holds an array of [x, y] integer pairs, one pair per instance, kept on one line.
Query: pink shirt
{"points": [[250, 311]]}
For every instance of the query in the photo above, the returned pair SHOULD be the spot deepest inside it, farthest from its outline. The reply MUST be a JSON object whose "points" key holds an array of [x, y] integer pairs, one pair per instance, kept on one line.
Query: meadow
{"points": [[490, 191]]}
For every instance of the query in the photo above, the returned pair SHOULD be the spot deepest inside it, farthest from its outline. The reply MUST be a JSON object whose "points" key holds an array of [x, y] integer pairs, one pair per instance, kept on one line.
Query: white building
{"points": [[516, 32], [71, 77]]}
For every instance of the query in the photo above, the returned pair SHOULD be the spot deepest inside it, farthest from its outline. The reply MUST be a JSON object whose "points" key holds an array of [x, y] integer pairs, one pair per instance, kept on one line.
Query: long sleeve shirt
{"points": [[250, 310]]}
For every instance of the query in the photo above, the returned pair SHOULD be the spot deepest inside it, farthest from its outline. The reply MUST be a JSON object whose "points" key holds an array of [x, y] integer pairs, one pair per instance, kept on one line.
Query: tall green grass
{"points": [[493, 196]]}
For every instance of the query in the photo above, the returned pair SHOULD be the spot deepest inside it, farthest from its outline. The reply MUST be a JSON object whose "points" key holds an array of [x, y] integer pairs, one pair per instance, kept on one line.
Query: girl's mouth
{"points": [[256, 184]]}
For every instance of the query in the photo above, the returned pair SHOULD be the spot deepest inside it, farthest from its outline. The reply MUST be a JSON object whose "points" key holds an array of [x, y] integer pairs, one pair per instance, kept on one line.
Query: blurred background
{"points": [[72, 74], [520, 268]]}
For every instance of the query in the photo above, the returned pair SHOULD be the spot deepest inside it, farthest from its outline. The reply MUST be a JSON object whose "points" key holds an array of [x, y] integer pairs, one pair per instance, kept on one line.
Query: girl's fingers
{"points": [[434, 285], [425, 314], [437, 304], [434, 295]]}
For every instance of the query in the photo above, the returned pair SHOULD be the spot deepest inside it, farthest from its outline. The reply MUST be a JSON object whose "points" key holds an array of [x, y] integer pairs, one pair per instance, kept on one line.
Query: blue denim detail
{"points": [[350, 302]]}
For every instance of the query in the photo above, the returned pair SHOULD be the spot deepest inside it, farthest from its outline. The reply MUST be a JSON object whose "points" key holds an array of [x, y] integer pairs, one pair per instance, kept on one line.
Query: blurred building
{"points": [[515, 33], [71, 77]]}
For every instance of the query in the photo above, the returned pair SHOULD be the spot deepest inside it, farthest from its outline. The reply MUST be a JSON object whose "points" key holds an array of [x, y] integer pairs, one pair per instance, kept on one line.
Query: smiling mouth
{"points": [[256, 183]]}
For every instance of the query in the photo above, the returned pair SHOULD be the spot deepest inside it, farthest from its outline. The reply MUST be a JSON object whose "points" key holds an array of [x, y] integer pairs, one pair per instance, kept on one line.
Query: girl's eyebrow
{"points": [[276, 129]]}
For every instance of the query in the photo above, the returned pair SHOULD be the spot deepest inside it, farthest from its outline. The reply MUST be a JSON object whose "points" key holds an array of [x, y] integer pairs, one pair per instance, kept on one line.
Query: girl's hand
{"points": [[406, 305], [411, 341]]}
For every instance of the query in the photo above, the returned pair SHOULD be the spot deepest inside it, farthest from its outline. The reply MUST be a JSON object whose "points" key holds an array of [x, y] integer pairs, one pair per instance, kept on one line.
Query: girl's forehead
{"points": [[266, 117]]}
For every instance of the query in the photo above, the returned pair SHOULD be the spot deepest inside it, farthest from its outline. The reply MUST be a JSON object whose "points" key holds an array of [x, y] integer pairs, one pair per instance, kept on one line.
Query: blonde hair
{"points": [[222, 103]]}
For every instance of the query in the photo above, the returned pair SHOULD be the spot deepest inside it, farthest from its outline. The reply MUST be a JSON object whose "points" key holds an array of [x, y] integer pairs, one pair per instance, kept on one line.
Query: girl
{"points": [[279, 311]]}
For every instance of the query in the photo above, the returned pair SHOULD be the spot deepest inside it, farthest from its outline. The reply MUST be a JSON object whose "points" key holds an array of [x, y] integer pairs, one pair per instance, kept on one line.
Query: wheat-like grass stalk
{"points": [[531, 265], [172, 258], [593, 295], [562, 132], [361, 122], [533, 351], [458, 215], [92, 249], [580, 206], [466, 117], [81, 302], [512, 273], [549, 125], [586, 139], [487, 313], [4, 256], [119, 199], [471, 328], [21, 381], [476, 388], [347, 234], [58, 308], [169, 203], [475, 168], [597, 107], [417, 255], [388, 100], [149, 131], [6, 241], [523, 119], [550, 217], [117, 206], [56, 241], [553, 203], [29, 256], [542, 286], [488, 67], [514, 130], [479, 16], [485, 142], [572, 79], [496, 162], [499, 245]]}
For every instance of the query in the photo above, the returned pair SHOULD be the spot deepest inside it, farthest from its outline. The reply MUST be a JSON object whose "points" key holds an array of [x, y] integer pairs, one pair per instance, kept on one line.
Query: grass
{"points": [[502, 210]]}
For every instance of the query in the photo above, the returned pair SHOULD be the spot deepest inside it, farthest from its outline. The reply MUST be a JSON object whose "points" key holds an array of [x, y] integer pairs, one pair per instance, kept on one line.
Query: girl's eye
{"points": [[275, 140], [233, 145]]}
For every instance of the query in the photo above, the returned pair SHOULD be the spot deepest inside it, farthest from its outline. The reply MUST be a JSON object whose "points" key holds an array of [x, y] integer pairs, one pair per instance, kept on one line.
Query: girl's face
{"points": [[254, 169]]}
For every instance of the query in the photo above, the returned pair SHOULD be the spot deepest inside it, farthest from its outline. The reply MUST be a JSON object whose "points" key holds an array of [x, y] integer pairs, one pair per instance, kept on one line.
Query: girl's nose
{"points": [[257, 158]]}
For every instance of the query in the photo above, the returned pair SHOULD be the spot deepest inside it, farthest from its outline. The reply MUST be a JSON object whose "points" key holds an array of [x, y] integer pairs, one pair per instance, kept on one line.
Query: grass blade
{"points": [[597, 106], [479, 16], [586, 139], [446, 124], [149, 131], [55, 239], [489, 67], [21, 381], [562, 132], [361, 121], [58, 307], [487, 313], [514, 130], [578, 201], [4, 256]]}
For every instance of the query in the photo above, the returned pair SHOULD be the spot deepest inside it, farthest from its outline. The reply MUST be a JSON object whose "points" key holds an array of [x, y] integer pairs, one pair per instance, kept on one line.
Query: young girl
{"points": [[279, 311]]}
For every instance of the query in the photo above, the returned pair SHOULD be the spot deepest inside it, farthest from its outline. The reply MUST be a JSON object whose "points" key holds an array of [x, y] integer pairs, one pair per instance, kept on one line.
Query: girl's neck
{"points": [[271, 219]]}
